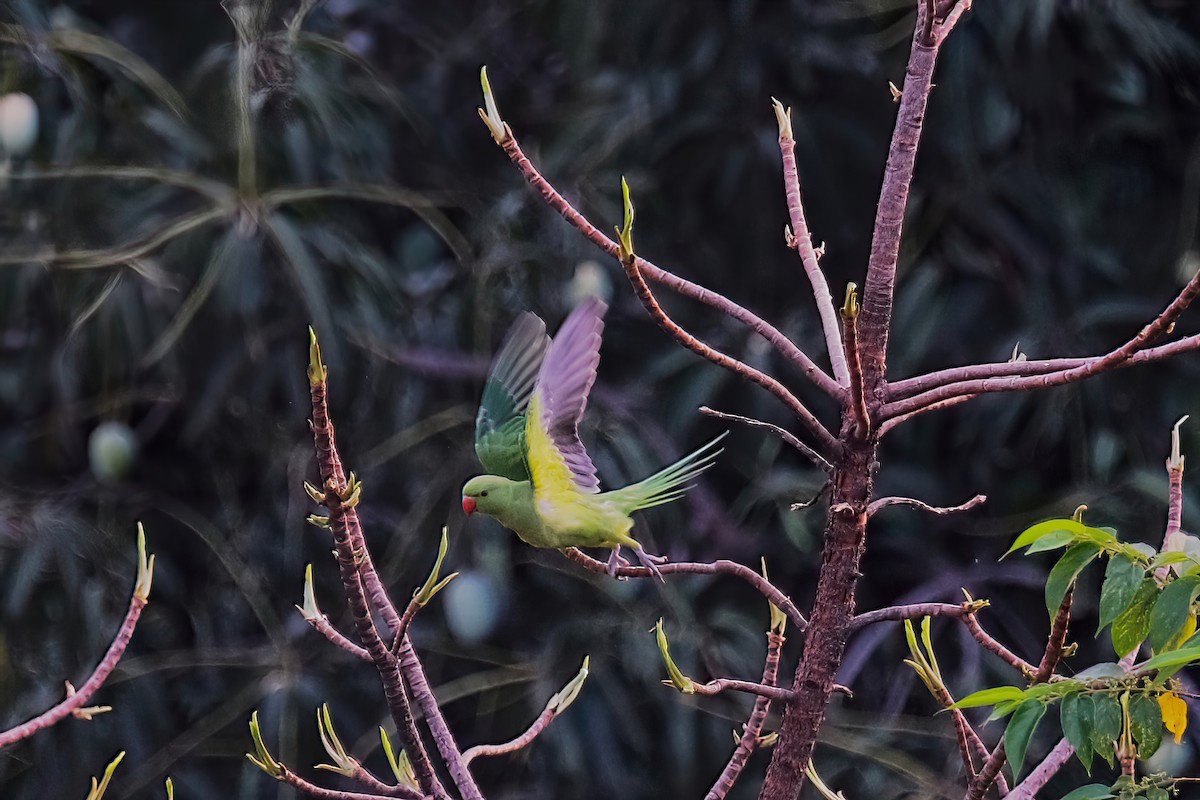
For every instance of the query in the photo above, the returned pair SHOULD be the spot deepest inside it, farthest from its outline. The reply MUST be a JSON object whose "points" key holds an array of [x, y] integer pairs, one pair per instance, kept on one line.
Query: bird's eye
{"points": [[483, 494]]}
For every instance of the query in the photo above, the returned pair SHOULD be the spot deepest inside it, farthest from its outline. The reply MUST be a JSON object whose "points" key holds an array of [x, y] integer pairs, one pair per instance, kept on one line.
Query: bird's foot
{"points": [[615, 562], [651, 562]]}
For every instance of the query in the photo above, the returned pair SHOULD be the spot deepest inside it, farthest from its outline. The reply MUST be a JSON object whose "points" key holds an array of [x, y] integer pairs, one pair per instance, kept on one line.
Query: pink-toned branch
{"points": [[323, 626], [883, 502], [826, 440], [654, 273], [986, 641], [1055, 648], [322, 793], [752, 730], [1055, 760], [894, 421], [812, 455], [721, 567], [802, 240], [1121, 356], [911, 611], [79, 699], [879, 290], [858, 392], [544, 719], [719, 685]]}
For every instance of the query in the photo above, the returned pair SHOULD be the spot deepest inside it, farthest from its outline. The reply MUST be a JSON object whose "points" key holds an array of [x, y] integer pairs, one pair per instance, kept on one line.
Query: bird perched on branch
{"points": [[542, 483]]}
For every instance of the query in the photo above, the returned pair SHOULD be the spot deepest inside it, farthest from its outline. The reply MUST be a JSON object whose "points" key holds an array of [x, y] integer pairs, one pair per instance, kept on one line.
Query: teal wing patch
{"points": [[500, 423]]}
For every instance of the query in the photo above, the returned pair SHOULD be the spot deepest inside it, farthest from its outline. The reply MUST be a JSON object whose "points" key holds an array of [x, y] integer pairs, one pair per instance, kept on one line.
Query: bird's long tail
{"points": [[669, 483]]}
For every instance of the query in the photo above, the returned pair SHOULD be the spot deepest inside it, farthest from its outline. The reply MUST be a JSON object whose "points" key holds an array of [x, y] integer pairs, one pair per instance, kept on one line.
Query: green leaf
{"points": [[1146, 724], [1169, 558], [1172, 658], [988, 697], [1051, 541], [1132, 626], [1171, 610], [1032, 534], [1107, 726], [1093, 791], [1121, 581], [1020, 730], [1065, 571], [1077, 717], [1157, 793]]}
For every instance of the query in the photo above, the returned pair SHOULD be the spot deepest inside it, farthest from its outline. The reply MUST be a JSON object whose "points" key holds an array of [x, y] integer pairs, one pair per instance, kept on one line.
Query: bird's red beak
{"points": [[469, 504]]}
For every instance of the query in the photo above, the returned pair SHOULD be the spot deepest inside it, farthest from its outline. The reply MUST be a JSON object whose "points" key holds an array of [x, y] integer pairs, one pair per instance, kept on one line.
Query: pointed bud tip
{"points": [[783, 116]]}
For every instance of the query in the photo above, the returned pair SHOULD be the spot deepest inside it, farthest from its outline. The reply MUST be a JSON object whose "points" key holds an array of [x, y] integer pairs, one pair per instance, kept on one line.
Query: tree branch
{"points": [[684, 287], [752, 730], [805, 450], [721, 567], [1041, 775], [1026, 379], [802, 241], [81, 696], [715, 687], [642, 290], [941, 511]]}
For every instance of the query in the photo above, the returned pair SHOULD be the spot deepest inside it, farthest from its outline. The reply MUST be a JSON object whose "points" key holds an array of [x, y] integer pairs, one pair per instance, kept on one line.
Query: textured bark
{"points": [[832, 615]]}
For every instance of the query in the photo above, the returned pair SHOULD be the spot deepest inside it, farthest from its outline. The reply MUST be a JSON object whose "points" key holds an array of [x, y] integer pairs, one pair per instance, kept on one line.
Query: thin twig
{"points": [[326, 629], [1121, 356], [752, 731], [719, 685], [894, 421], [802, 241], [911, 611], [313, 790], [644, 293], [858, 392], [786, 436], [721, 567], [993, 646], [84, 693], [654, 273], [941, 511]]}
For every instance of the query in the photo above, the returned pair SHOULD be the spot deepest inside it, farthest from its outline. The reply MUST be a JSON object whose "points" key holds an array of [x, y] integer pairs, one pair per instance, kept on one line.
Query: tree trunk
{"points": [[833, 609]]}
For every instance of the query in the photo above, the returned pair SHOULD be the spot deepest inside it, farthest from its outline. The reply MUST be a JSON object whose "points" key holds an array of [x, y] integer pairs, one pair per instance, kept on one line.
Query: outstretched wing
{"points": [[500, 423], [561, 392]]}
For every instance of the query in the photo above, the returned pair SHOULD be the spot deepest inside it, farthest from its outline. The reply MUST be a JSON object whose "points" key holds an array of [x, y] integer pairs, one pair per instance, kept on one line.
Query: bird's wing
{"points": [[561, 393], [500, 423]]}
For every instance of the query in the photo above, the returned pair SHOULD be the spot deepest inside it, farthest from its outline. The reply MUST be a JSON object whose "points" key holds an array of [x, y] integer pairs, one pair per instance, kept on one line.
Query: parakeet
{"points": [[541, 483]]}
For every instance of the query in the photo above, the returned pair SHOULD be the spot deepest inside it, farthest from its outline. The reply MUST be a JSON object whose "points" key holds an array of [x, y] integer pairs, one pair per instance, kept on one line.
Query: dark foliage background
{"points": [[1055, 207]]}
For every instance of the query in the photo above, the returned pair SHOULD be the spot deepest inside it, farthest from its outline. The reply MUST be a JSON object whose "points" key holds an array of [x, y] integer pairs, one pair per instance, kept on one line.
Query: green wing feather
{"points": [[500, 423], [667, 484]]}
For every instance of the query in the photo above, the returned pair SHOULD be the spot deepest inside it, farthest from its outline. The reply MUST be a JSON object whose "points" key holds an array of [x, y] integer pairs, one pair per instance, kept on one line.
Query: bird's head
{"points": [[486, 494]]}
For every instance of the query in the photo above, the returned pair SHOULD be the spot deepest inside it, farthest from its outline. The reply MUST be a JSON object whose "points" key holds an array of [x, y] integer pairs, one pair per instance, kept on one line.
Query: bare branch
{"points": [[642, 290], [858, 392], [715, 687], [77, 700], [805, 450], [912, 611], [721, 567], [752, 731], [802, 241], [688, 289], [941, 511], [993, 646], [1043, 772], [1022, 381], [894, 421], [313, 790], [557, 705]]}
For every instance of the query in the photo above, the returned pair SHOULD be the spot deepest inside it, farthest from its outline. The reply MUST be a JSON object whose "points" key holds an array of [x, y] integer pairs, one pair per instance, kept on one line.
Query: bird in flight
{"points": [[541, 483]]}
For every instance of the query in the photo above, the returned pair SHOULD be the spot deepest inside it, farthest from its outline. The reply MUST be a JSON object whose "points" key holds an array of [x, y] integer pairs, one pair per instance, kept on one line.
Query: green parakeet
{"points": [[541, 483]]}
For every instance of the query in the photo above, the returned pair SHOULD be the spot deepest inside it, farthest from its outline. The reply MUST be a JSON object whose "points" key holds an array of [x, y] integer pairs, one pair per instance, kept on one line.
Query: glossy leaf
{"points": [[1066, 571], [1020, 730], [1174, 714], [1122, 578], [1042, 529], [988, 697], [1051, 541], [1132, 626], [1171, 610], [1107, 726], [1146, 724], [1077, 717], [1173, 658]]}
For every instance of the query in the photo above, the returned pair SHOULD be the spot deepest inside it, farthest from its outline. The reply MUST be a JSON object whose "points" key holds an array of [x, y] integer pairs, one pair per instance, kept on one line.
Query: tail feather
{"points": [[669, 483]]}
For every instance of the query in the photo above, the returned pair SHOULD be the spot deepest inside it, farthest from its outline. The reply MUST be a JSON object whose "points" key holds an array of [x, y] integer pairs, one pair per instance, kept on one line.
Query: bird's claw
{"points": [[615, 562], [651, 562]]}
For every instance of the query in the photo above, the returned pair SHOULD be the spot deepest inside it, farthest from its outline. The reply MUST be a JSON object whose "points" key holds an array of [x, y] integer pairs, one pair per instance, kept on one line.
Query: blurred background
{"points": [[205, 181]]}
